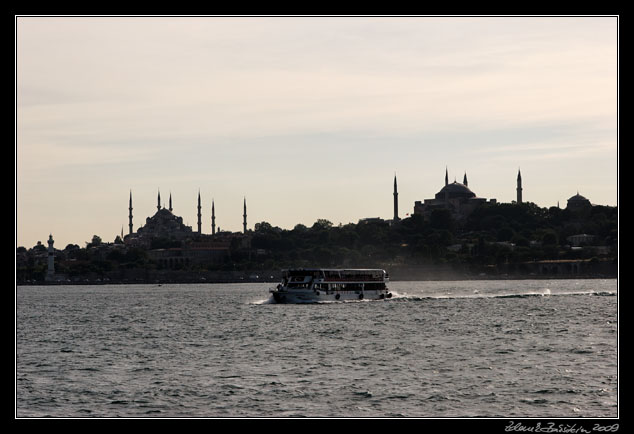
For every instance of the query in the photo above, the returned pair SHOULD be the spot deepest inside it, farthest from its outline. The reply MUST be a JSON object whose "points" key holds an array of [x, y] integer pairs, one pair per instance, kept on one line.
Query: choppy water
{"points": [[437, 349]]}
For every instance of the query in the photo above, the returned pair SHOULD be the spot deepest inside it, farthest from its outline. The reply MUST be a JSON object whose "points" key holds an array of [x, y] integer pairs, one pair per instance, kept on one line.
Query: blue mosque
{"points": [[164, 224]]}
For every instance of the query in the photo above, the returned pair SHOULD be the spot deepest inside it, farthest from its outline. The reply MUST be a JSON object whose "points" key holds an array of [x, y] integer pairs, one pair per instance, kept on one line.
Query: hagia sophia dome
{"points": [[455, 190]]}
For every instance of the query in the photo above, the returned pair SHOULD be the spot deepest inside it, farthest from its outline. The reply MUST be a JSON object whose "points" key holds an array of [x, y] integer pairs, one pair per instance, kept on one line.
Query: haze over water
{"points": [[529, 348]]}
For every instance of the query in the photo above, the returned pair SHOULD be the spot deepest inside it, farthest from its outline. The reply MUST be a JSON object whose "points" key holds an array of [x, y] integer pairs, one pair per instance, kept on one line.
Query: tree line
{"points": [[494, 233]]}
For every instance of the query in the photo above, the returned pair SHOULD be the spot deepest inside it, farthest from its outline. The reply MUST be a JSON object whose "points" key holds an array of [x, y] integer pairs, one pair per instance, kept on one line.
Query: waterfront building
{"points": [[580, 239]]}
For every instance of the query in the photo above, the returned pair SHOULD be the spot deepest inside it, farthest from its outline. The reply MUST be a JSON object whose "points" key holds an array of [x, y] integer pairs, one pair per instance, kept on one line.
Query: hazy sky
{"points": [[308, 117]]}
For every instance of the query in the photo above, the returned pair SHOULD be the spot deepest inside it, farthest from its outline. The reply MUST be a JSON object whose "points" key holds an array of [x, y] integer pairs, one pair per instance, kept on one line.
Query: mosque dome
{"points": [[455, 190], [578, 201], [578, 198]]}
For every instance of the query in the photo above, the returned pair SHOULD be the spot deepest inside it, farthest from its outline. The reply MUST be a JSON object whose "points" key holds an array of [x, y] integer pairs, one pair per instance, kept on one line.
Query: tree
{"points": [[505, 234], [39, 247], [263, 227], [321, 224], [549, 238], [441, 219], [96, 241]]}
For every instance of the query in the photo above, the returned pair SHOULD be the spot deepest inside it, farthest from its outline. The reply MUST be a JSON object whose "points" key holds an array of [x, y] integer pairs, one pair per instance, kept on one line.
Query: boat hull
{"points": [[313, 296]]}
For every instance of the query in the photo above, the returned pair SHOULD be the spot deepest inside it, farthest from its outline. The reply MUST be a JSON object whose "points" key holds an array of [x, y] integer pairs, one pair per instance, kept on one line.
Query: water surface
{"points": [[517, 348]]}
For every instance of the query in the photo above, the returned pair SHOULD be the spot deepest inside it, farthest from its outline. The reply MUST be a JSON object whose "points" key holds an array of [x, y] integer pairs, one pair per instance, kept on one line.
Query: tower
{"points": [[199, 214], [519, 186], [446, 176], [464, 180], [130, 214], [395, 200], [158, 205], [170, 208], [244, 222], [213, 218], [51, 252]]}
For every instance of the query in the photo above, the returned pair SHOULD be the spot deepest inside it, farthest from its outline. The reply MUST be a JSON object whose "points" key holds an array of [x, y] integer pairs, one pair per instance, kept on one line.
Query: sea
{"points": [[436, 349]]}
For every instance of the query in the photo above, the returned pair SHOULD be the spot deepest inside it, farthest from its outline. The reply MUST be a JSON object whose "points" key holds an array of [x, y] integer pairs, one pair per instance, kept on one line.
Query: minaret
{"points": [[213, 218], [199, 214], [395, 200], [446, 176], [158, 205], [519, 187], [464, 181], [244, 222], [51, 252], [130, 214], [170, 202]]}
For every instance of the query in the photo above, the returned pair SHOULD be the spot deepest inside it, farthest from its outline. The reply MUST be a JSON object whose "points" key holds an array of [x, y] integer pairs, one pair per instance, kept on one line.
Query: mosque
{"points": [[578, 203], [461, 200], [164, 224], [457, 198]]}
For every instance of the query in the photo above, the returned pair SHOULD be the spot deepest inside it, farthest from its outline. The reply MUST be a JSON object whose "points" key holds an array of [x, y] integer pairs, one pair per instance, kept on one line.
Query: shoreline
{"points": [[273, 281], [539, 270], [552, 269]]}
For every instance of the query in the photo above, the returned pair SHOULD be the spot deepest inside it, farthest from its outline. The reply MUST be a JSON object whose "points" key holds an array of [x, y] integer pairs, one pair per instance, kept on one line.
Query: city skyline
{"points": [[306, 117]]}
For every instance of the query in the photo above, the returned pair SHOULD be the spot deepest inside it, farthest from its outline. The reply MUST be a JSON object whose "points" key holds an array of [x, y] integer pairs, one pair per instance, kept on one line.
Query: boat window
{"points": [[374, 286], [297, 279]]}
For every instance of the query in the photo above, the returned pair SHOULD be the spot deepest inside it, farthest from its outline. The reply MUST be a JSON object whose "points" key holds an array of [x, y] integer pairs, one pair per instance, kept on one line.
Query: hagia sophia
{"points": [[457, 198], [462, 201]]}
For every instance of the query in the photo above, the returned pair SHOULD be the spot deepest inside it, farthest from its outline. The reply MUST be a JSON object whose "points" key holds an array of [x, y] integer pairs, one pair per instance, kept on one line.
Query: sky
{"points": [[306, 117]]}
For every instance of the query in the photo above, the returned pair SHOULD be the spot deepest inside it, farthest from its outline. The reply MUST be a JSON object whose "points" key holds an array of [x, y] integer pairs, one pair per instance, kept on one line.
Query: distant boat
{"points": [[310, 285]]}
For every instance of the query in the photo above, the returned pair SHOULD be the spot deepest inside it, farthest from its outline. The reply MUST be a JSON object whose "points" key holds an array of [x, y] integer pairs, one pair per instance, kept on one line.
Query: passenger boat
{"points": [[310, 285]]}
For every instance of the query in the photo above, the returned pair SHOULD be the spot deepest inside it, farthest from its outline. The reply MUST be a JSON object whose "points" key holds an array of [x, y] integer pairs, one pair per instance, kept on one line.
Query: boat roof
{"points": [[333, 269]]}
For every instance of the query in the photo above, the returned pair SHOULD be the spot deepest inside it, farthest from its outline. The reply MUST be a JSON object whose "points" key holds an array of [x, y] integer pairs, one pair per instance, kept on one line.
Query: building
{"points": [[456, 197], [578, 203], [580, 239], [162, 225], [172, 244], [205, 251]]}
